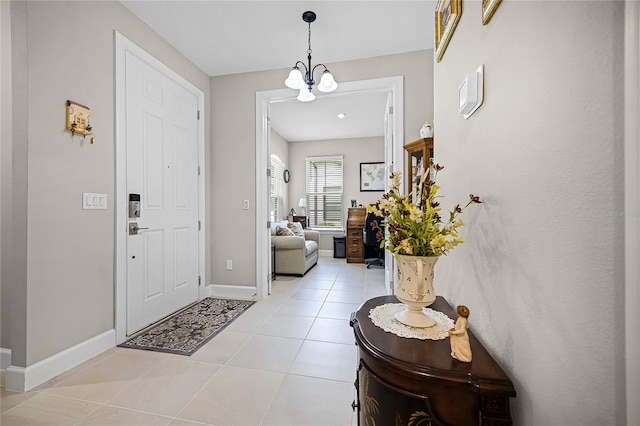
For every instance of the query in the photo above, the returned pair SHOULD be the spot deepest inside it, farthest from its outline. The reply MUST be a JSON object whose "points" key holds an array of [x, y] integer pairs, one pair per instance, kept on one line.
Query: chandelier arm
{"points": [[306, 70], [319, 65]]}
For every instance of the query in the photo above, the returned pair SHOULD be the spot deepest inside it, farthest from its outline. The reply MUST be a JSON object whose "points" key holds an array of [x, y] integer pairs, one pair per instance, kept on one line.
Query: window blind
{"points": [[324, 187]]}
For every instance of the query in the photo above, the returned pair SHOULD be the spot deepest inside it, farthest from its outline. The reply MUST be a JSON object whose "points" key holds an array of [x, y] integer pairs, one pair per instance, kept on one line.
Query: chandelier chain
{"points": [[309, 50]]}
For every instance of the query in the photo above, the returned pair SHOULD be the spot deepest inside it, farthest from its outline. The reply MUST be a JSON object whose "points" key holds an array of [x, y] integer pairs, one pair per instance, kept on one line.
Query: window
{"points": [[276, 189], [324, 192]]}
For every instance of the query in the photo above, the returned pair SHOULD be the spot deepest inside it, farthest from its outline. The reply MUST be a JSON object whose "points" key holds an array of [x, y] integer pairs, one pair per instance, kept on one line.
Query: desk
{"points": [[400, 379]]}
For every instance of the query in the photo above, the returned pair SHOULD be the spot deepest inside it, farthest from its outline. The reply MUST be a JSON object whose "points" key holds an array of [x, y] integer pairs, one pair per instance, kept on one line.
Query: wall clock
{"points": [[286, 175]]}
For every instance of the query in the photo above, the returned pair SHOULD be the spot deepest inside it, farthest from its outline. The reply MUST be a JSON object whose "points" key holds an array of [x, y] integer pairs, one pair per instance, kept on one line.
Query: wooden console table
{"points": [[402, 380]]}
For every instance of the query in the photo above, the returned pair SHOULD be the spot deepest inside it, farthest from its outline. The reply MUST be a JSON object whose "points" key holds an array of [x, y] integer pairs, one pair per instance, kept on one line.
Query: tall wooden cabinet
{"points": [[419, 153], [355, 238]]}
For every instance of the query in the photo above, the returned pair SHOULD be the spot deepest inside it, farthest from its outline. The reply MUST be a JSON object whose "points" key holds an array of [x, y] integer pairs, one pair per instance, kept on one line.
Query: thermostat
{"points": [[471, 92]]}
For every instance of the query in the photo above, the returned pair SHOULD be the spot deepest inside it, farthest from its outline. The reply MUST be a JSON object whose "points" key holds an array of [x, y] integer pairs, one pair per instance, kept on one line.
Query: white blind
{"points": [[324, 191], [276, 188]]}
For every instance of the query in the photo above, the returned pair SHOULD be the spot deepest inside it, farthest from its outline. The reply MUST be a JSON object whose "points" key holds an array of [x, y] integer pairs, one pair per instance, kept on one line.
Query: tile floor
{"points": [[289, 360]]}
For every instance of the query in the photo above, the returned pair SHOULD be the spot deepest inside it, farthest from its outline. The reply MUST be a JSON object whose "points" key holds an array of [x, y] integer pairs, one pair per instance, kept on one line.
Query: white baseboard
{"points": [[21, 379], [325, 253], [5, 358], [231, 291]]}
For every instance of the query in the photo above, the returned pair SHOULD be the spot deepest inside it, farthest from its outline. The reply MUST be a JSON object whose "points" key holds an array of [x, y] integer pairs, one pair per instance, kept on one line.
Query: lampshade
{"points": [[302, 202], [327, 83], [306, 95], [295, 80]]}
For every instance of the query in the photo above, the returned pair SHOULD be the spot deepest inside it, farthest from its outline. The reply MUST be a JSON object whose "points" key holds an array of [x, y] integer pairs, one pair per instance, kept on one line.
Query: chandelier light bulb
{"points": [[327, 83], [295, 80], [306, 95]]}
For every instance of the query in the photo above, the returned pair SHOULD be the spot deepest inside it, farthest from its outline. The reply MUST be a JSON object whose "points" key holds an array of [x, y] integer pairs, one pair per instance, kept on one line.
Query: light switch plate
{"points": [[93, 201], [471, 93]]}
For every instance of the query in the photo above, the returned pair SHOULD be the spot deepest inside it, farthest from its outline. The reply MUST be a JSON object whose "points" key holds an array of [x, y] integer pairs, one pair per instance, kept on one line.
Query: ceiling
{"points": [[229, 37]]}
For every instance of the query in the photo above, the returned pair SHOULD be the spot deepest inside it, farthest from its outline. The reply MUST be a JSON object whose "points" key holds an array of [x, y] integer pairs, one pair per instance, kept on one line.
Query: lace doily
{"points": [[383, 316]]}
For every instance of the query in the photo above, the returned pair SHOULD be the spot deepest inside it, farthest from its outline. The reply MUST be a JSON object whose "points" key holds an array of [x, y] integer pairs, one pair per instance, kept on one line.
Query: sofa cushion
{"points": [[284, 231], [310, 247], [274, 226], [296, 227]]}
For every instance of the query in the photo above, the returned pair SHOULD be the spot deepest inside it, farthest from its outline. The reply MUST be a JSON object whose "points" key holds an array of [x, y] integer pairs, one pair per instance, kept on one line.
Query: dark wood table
{"points": [[402, 380]]}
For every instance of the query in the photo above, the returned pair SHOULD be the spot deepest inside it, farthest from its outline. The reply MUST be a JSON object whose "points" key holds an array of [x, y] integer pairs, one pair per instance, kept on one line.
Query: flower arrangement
{"points": [[418, 230]]}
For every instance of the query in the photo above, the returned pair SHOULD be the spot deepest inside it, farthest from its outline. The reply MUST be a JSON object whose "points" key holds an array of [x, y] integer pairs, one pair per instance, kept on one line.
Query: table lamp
{"points": [[303, 204]]}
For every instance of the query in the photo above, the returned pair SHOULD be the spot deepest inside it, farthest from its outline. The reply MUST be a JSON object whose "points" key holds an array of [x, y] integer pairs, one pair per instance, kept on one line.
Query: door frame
{"points": [[632, 206], [393, 85], [123, 45]]}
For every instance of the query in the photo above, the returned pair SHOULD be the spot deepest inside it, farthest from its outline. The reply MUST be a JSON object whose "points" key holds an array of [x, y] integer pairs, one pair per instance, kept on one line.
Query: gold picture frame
{"points": [[488, 9], [447, 16]]}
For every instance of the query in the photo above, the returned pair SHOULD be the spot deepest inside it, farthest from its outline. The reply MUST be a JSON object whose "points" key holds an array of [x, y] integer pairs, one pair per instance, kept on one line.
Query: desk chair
{"points": [[372, 243]]}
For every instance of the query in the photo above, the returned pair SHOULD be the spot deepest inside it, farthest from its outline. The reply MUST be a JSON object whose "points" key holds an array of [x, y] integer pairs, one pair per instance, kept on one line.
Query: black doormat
{"points": [[188, 330]]}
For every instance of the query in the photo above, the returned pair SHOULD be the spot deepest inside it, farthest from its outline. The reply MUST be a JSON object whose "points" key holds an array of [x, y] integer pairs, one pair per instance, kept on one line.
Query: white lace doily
{"points": [[383, 316]]}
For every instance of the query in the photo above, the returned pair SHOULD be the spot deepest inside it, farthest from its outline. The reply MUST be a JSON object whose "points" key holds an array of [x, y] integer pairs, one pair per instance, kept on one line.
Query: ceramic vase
{"points": [[415, 289], [426, 131]]}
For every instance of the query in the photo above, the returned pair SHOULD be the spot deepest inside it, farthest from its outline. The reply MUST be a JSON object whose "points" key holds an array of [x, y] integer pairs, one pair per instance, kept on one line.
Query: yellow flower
{"points": [[415, 214], [406, 246], [458, 223], [438, 241]]}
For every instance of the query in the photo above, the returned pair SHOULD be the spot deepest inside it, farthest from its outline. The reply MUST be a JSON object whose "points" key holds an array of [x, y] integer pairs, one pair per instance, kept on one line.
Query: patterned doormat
{"points": [[188, 330]]}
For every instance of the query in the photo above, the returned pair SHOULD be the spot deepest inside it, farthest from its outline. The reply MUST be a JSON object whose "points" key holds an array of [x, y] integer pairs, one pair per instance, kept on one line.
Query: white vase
{"points": [[415, 289], [426, 131]]}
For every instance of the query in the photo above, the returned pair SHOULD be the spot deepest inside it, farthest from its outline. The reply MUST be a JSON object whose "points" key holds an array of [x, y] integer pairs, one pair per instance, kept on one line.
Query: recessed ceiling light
{"points": [[341, 116]]}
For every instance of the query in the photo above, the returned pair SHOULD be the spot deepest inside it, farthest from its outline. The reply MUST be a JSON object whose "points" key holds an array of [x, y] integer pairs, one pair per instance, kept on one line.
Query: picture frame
{"points": [[488, 9], [77, 118], [372, 176], [448, 14]]}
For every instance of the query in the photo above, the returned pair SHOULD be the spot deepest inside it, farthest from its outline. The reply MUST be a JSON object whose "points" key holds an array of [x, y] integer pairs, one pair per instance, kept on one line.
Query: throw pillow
{"points": [[296, 227], [283, 231]]}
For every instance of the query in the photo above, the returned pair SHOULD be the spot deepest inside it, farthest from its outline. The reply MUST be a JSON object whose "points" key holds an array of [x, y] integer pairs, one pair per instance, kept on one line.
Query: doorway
{"points": [[159, 146], [394, 156]]}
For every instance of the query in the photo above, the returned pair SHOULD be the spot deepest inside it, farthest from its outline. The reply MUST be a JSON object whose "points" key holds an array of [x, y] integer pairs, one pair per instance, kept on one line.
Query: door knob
{"points": [[134, 228]]}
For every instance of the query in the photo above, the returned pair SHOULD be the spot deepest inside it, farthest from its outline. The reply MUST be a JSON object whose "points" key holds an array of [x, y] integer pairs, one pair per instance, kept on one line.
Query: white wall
{"points": [[233, 146], [542, 269]]}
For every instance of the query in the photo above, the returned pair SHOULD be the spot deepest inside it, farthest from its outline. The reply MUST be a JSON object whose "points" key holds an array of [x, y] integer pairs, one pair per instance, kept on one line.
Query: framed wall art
{"points": [[372, 176], [488, 9], [447, 16], [78, 118]]}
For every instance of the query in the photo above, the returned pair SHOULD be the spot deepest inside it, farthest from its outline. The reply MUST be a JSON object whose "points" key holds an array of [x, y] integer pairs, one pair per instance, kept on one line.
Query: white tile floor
{"points": [[288, 360]]}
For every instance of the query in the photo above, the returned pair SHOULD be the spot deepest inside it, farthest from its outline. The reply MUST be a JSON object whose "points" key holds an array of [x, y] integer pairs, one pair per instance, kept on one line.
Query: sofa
{"points": [[295, 254]]}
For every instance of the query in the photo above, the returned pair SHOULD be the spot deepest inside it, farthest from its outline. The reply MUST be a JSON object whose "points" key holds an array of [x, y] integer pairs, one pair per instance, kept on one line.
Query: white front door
{"points": [[162, 168]]}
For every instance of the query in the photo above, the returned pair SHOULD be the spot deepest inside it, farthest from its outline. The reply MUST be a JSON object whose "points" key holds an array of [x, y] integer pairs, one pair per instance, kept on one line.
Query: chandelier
{"points": [[305, 84]]}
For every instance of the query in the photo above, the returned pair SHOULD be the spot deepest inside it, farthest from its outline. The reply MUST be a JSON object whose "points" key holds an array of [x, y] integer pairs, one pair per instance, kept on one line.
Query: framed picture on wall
{"points": [[372, 176], [447, 16], [488, 9]]}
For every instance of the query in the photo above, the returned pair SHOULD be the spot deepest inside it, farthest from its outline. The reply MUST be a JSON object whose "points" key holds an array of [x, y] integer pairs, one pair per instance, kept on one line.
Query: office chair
{"points": [[372, 243]]}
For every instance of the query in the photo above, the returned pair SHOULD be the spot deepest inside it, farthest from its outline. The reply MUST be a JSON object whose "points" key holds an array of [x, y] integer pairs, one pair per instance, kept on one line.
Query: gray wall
{"points": [[233, 146], [541, 270], [355, 151], [59, 271]]}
